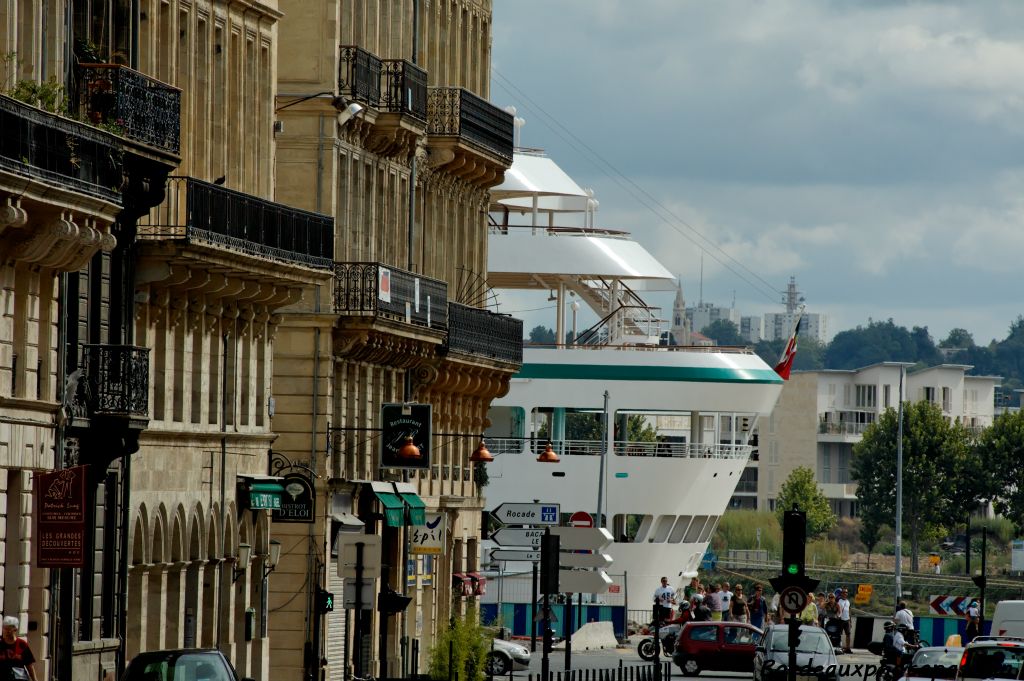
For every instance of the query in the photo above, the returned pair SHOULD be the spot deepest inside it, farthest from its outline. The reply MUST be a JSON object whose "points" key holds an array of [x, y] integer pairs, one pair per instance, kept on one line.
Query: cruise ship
{"points": [[660, 474]]}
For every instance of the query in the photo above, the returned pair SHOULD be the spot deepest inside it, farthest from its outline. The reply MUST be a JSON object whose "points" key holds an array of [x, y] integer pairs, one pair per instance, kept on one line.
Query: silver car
{"points": [[815, 656], [505, 655]]}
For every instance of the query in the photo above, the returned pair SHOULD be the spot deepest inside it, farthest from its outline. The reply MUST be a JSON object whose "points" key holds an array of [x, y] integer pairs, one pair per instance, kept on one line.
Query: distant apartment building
{"points": [[704, 314], [752, 329], [779, 326], [821, 415]]}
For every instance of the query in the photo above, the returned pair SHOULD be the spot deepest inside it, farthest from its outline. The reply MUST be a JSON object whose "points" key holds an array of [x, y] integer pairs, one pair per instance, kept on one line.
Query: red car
{"points": [[716, 646]]}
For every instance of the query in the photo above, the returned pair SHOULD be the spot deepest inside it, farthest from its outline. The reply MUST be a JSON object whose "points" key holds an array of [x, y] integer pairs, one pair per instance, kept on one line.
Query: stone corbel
{"points": [[272, 324], [178, 309], [284, 297], [12, 215], [196, 312], [245, 316], [56, 240]]}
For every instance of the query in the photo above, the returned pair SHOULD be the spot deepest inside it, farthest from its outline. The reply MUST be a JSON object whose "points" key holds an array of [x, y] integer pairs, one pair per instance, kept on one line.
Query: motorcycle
{"points": [[888, 669], [647, 649], [834, 629]]}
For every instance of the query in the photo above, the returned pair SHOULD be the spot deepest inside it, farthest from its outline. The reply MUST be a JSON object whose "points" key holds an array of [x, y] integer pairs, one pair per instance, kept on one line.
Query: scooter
{"points": [[647, 650], [834, 629]]}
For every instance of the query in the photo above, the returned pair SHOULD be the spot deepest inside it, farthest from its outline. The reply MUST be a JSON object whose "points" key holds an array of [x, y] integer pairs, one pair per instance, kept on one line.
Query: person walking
{"points": [[714, 602], [973, 617], [845, 622], [726, 597], [739, 607], [701, 612], [757, 606], [16, 658]]}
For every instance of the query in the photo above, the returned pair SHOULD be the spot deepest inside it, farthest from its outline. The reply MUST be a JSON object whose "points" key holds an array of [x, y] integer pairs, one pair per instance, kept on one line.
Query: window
{"points": [[846, 395], [738, 635], [709, 529], [696, 529], [928, 394], [825, 474], [843, 466], [662, 528], [865, 396], [679, 531], [630, 527], [773, 453], [705, 633], [947, 399], [886, 397]]}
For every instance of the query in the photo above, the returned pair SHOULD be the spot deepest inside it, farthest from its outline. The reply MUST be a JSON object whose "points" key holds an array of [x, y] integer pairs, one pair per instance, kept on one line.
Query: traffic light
{"points": [[324, 601], [549, 546], [794, 634], [979, 581], [794, 540]]}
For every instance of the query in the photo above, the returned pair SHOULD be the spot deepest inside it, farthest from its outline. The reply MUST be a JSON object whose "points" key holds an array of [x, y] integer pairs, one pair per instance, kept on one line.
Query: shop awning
{"points": [[260, 492], [417, 509], [394, 508]]}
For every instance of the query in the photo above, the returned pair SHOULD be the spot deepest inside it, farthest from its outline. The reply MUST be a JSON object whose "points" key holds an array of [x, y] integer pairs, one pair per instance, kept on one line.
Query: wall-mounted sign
{"points": [[399, 422], [384, 284], [298, 503], [60, 518], [428, 538]]}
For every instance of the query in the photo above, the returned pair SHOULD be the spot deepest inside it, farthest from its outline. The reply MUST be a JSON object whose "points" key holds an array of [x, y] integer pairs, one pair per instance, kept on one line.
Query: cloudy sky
{"points": [[874, 150]]}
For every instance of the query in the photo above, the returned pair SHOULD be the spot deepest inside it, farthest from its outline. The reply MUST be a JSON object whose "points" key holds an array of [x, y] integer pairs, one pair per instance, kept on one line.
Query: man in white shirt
{"points": [[725, 595], [844, 618], [903, 616], [665, 597]]}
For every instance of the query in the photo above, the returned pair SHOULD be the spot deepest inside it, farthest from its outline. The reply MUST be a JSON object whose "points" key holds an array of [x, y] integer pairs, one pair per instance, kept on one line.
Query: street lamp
{"points": [[548, 455], [273, 557], [481, 454], [242, 558], [409, 450]]}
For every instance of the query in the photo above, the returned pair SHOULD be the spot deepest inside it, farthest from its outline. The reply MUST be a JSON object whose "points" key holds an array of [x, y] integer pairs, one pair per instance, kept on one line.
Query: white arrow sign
{"points": [[527, 514], [583, 582], [581, 538], [512, 536], [584, 560], [508, 554]]}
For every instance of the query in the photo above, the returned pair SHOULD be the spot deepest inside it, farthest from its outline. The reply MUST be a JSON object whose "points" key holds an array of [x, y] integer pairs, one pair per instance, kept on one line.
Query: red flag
{"points": [[786, 361]]}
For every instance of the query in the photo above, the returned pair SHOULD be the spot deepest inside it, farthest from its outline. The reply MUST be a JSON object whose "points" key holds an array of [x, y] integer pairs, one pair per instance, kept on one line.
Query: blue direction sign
{"points": [[526, 514]]}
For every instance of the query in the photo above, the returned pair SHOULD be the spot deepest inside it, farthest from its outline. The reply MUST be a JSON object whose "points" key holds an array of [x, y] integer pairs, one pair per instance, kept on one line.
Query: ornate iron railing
{"points": [[372, 288], [145, 109], [117, 377], [484, 333], [58, 150], [198, 211], [359, 75], [404, 88], [457, 112]]}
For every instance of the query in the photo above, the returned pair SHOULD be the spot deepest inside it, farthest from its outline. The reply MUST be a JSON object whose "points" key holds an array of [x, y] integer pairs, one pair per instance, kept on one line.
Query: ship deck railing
{"points": [[684, 450], [554, 230], [650, 347]]}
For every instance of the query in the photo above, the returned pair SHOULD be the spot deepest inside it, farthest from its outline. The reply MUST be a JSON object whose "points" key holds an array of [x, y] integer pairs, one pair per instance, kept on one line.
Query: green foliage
{"points": [[957, 338], [738, 530], [802, 489], [1001, 447], [935, 455], [469, 645], [723, 332], [48, 95], [825, 552], [480, 476], [879, 342], [541, 335]]}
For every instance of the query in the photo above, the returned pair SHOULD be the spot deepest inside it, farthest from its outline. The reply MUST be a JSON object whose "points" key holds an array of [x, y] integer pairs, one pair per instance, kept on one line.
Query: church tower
{"points": [[680, 324]]}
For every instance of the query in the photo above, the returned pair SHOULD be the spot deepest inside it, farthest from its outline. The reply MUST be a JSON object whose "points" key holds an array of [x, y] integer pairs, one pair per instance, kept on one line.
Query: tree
{"points": [[724, 332], [802, 489], [870, 531], [542, 335], [957, 338], [1001, 449], [932, 451]]}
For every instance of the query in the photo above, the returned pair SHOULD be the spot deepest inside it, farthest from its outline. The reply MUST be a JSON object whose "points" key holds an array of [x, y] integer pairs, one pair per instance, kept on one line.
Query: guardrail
{"points": [[404, 88], [485, 333], [453, 111], [619, 448], [372, 288], [144, 108]]}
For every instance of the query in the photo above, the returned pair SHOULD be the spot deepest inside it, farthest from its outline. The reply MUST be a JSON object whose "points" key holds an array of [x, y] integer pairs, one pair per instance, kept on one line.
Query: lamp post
{"points": [[899, 494]]}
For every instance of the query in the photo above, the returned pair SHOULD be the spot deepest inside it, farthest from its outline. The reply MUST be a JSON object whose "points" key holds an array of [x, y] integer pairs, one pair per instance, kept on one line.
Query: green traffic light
{"points": [[792, 568]]}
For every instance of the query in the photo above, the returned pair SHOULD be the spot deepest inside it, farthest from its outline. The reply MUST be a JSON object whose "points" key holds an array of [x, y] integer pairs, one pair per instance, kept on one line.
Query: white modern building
{"points": [[752, 329], [704, 314], [821, 415]]}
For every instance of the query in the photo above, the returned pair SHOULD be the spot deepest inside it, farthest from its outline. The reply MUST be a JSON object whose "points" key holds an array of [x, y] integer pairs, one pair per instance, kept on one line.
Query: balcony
{"points": [[359, 75], [455, 112], [845, 428], [199, 212], [60, 151], [485, 334], [113, 383], [404, 88], [131, 104], [376, 290]]}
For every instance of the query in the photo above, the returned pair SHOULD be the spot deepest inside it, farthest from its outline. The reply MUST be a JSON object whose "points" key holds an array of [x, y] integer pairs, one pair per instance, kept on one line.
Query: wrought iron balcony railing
{"points": [[374, 289], [198, 211], [484, 333], [457, 112], [404, 88], [145, 109], [359, 75], [116, 379], [59, 150]]}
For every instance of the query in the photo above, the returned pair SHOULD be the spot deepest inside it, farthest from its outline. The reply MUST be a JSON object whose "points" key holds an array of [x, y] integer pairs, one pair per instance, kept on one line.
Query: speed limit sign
{"points": [[793, 600]]}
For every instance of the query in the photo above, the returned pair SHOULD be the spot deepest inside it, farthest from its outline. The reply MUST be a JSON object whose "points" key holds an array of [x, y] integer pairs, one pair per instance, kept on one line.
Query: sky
{"points": [[874, 150]]}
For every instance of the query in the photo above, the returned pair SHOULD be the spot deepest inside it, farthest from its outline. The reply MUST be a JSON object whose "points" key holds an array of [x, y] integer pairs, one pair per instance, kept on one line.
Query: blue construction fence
{"points": [[518, 617], [935, 630]]}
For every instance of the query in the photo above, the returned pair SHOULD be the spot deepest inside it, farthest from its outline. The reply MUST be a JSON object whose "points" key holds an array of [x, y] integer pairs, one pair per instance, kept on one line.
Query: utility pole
{"points": [[899, 494]]}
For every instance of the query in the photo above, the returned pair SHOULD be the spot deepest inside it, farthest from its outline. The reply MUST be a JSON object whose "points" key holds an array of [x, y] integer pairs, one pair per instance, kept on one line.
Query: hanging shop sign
{"points": [[60, 518], [298, 503], [428, 539], [403, 425]]}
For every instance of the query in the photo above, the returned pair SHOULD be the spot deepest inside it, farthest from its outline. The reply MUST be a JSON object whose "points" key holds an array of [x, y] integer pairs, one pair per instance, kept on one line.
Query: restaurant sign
{"points": [[60, 518]]}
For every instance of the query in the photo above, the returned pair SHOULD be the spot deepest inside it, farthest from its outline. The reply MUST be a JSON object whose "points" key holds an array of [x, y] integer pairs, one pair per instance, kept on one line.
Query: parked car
{"points": [[505, 655], [934, 662], [191, 664], [815, 655], [715, 646], [992, 657]]}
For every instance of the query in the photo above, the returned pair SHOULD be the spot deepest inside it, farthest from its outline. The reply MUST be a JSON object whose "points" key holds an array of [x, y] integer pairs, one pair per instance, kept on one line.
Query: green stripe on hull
{"points": [[612, 372]]}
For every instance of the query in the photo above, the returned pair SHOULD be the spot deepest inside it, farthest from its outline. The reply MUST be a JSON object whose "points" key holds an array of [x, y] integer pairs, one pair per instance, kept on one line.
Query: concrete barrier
{"points": [[592, 636]]}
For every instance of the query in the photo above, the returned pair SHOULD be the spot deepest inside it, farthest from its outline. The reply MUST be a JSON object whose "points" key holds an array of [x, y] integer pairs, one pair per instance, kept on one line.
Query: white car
{"points": [[992, 657], [506, 655]]}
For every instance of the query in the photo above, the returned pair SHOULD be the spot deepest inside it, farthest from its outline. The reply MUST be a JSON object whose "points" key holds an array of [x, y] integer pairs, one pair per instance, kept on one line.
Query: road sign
{"points": [[581, 519], [583, 582], [513, 536], [583, 538], [365, 597], [511, 554], [347, 555], [948, 605], [527, 514], [793, 600], [585, 560]]}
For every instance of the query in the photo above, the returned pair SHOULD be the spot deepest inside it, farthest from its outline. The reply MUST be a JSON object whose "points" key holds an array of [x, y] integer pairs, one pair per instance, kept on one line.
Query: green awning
{"points": [[265, 495], [417, 509], [394, 509]]}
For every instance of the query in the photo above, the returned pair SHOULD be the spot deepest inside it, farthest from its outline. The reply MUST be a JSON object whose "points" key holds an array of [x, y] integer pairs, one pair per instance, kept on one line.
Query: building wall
{"points": [[788, 437]]}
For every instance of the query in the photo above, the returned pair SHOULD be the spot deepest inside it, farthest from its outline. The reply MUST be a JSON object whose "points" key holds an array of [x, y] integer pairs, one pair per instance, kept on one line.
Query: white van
{"points": [[1008, 619]]}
